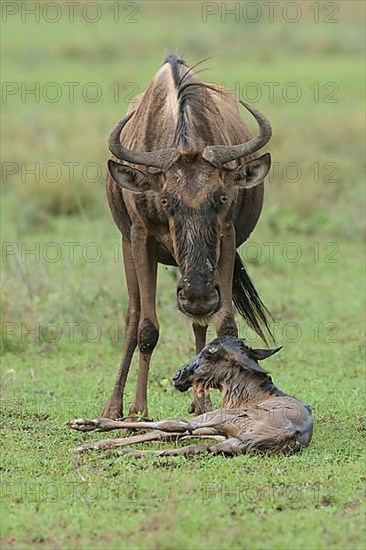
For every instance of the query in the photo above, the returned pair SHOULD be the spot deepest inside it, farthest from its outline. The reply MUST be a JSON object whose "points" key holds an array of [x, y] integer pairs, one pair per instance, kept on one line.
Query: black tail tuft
{"points": [[248, 302]]}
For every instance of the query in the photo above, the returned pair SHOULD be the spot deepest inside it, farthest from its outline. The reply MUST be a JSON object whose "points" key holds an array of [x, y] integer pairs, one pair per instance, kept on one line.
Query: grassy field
{"points": [[63, 304]]}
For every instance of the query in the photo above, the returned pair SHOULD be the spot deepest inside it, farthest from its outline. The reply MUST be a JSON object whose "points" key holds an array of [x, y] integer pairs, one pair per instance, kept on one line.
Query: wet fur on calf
{"points": [[256, 415]]}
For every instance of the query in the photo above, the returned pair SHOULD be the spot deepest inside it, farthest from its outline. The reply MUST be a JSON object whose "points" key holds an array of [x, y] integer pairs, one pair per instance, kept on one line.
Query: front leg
{"points": [[145, 255], [106, 424], [205, 423], [201, 397], [225, 321], [114, 406], [201, 400]]}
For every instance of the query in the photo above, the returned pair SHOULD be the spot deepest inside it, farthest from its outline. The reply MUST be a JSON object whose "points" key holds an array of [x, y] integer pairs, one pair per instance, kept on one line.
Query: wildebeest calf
{"points": [[256, 415]]}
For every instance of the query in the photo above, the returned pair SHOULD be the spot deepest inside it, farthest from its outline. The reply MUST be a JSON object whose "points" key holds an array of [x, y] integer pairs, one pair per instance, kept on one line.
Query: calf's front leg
{"points": [[201, 397], [105, 424]]}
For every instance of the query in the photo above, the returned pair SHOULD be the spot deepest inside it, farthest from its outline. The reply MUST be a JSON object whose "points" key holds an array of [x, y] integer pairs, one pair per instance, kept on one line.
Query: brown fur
{"points": [[256, 415], [191, 213]]}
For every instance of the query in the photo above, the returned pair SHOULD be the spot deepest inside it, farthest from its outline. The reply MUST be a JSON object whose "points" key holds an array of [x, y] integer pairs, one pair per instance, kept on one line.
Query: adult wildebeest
{"points": [[184, 190], [255, 414]]}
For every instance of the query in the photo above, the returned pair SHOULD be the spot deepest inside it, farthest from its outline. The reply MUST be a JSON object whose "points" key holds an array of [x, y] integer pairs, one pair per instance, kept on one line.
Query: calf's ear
{"points": [[127, 177], [260, 354], [252, 172], [240, 355]]}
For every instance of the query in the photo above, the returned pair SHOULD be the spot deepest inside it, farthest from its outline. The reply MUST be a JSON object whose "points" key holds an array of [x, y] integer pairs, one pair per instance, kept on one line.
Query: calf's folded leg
{"points": [[230, 447]]}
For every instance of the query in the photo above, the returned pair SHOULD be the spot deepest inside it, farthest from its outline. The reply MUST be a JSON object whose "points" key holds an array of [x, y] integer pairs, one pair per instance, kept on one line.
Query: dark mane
{"points": [[192, 93]]}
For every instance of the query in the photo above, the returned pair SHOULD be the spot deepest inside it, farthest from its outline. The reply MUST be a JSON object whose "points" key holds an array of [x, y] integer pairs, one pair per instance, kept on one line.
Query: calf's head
{"points": [[219, 361]]}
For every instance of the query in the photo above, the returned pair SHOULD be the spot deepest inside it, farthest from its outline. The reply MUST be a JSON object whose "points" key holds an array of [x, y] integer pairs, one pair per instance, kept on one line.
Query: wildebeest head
{"points": [[193, 196], [219, 361]]}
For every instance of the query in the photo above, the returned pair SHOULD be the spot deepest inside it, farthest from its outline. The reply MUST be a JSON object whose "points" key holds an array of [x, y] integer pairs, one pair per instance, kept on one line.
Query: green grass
{"points": [[314, 500]]}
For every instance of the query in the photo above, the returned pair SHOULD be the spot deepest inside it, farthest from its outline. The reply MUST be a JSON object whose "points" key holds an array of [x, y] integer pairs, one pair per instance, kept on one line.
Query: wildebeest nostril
{"points": [[181, 294], [176, 375]]}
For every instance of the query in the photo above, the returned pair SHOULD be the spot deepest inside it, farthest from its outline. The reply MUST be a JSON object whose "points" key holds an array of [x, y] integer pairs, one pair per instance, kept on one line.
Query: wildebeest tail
{"points": [[248, 302]]}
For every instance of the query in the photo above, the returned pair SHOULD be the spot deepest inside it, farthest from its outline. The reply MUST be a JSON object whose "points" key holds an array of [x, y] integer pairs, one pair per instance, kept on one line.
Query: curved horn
{"points": [[221, 154], [161, 158]]}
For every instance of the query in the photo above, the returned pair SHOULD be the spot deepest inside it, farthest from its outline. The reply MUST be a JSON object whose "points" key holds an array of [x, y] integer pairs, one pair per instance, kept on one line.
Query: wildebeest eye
{"points": [[223, 198], [164, 202]]}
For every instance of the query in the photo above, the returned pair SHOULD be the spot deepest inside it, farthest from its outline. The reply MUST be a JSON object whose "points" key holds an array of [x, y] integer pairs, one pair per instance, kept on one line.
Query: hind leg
{"points": [[230, 447], [106, 444]]}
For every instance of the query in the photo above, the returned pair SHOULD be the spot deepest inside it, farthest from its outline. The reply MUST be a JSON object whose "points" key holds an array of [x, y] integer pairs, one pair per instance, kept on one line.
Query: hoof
{"points": [[83, 424], [200, 408], [138, 413], [113, 413]]}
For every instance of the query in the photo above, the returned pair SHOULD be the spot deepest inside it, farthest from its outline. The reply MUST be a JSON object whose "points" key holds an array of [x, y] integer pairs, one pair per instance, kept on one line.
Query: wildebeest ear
{"points": [[251, 173], [259, 354], [127, 177], [240, 355], [248, 363]]}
